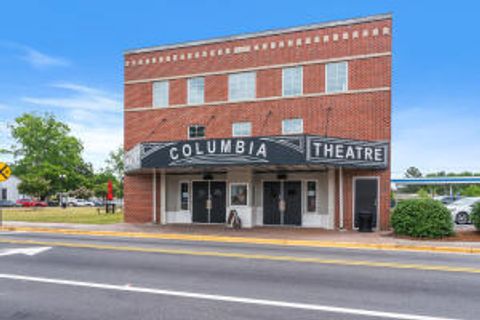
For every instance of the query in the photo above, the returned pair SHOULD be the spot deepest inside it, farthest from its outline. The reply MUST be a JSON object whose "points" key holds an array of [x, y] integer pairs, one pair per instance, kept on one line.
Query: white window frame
{"points": [[291, 119], [242, 123], [180, 195], [316, 195], [231, 184], [196, 125], [301, 81], [189, 93], [243, 98], [327, 90], [154, 94]]}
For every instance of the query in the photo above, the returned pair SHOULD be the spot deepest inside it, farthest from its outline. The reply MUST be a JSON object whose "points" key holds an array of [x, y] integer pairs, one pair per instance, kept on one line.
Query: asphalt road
{"points": [[84, 277]]}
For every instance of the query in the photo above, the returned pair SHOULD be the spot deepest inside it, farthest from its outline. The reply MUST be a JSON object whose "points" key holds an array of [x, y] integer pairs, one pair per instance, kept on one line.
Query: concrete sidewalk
{"points": [[290, 236]]}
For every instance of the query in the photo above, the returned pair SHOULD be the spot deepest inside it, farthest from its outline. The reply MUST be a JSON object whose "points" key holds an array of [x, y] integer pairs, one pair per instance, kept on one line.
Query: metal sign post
{"points": [[5, 173]]}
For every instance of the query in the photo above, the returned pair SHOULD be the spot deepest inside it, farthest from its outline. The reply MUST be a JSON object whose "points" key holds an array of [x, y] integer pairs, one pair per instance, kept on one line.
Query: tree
{"points": [[412, 172], [115, 167], [115, 163], [47, 158]]}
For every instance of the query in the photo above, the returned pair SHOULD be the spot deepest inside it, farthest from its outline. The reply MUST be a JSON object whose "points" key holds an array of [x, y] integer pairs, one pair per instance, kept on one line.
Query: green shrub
{"points": [[422, 218], [475, 216]]}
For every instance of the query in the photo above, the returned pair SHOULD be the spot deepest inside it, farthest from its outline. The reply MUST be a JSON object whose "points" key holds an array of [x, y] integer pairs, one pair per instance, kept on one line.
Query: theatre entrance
{"points": [[282, 203], [209, 201]]}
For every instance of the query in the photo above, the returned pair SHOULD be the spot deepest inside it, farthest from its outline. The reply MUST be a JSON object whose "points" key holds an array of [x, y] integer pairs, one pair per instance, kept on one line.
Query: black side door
{"points": [[271, 198], [199, 201], [218, 193], [292, 191], [366, 195]]}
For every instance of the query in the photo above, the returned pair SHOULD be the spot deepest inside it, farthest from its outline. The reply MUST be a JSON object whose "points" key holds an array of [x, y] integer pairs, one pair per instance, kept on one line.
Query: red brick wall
{"points": [[331, 49], [139, 198], [383, 221]]}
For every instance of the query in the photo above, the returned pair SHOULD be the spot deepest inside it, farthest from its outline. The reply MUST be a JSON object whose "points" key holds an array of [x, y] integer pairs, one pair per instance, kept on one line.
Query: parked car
{"points": [[446, 200], [31, 203], [80, 203], [8, 203], [461, 209]]}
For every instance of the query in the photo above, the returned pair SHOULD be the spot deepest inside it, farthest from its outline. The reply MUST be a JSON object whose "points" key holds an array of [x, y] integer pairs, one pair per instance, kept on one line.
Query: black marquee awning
{"points": [[269, 150]]}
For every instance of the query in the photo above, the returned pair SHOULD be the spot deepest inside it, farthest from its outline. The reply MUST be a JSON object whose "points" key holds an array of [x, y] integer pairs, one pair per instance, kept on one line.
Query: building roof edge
{"points": [[271, 32]]}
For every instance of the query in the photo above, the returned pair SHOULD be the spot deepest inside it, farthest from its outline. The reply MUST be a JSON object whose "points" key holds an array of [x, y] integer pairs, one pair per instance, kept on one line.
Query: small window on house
{"points": [[242, 129], [196, 90], [292, 81], [4, 194], [241, 86], [311, 196], [238, 194], [160, 94], [292, 126], [196, 132], [184, 196], [336, 77]]}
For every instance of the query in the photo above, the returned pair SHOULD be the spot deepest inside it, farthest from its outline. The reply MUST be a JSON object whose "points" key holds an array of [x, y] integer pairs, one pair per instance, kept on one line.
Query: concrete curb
{"points": [[261, 241]]}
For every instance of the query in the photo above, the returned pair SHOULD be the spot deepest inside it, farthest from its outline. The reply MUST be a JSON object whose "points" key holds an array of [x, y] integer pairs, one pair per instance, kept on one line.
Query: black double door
{"points": [[209, 201], [366, 199], [282, 203]]}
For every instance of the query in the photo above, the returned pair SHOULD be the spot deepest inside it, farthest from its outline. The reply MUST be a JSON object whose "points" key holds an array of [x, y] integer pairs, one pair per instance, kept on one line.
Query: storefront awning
{"points": [[261, 151]]}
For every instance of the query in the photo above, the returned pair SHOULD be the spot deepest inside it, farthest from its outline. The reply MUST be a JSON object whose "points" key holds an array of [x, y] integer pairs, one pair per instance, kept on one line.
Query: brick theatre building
{"points": [[287, 127]]}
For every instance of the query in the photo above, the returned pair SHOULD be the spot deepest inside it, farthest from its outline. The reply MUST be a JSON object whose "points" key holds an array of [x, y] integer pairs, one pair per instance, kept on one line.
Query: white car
{"points": [[80, 203], [461, 209]]}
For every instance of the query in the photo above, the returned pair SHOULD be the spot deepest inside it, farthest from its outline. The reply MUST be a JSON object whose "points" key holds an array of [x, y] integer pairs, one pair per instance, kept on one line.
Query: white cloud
{"points": [[94, 115], [38, 59], [80, 98], [98, 140]]}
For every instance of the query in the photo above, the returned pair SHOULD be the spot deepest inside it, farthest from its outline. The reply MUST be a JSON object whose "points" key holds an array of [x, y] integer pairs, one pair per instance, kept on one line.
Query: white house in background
{"points": [[9, 189]]}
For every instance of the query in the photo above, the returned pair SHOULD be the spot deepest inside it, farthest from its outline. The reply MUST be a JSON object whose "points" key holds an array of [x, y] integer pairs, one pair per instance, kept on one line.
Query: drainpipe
{"points": [[154, 194], [340, 197]]}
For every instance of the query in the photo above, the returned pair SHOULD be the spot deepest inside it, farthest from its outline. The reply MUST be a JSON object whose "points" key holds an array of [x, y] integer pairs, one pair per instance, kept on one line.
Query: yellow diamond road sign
{"points": [[5, 171]]}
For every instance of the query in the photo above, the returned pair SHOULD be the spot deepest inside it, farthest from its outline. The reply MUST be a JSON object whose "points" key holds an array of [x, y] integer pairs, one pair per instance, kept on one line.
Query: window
{"points": [[196, 90], [292, 81], [196, 132], [238, 194], [292, 126], [311, 196], [160, 94], [242, 129], [241, 86], [184, 196], [336, 77], [4, 194]]}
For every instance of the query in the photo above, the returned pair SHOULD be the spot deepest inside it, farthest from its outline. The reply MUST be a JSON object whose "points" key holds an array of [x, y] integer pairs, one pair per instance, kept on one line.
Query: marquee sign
{"points": [[274, 150]]}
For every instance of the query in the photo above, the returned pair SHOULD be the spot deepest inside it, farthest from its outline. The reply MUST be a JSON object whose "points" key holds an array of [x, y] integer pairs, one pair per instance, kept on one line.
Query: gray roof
{"points": [[263, 33]]}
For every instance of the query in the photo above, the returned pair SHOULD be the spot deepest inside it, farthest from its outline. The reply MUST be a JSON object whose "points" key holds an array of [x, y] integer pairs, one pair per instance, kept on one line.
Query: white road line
{"points": [[25, 251], [193, 295]]}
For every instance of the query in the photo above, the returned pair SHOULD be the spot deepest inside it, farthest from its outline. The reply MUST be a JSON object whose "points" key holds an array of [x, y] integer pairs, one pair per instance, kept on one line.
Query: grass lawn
{"points": [[86, 215]]}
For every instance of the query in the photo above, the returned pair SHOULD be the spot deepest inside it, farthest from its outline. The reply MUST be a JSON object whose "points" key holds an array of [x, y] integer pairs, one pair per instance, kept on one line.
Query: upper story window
{"points": [[160, 94], [292, 126], [292, 81], [242, 129], [336, 77], [241, 86], [196, 90], [196, 132]]}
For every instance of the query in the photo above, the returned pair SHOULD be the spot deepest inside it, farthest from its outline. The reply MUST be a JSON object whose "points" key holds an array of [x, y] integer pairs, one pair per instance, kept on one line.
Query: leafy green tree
{"points": [[412, 172], [115, 167], [46, 154]]}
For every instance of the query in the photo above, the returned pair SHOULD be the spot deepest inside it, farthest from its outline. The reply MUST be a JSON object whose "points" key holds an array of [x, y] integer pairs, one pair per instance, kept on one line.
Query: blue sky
{"points": [[65, 57]]}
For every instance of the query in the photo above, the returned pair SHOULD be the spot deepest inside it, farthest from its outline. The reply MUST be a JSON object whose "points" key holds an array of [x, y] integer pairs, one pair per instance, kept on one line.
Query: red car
{"points": [[31, 203]]}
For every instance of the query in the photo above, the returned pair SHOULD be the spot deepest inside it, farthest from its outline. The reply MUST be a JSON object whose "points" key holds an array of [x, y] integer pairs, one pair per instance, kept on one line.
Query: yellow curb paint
{"points": [[248, 240], [280, 258]]}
